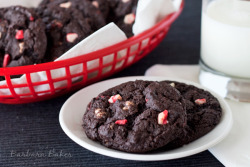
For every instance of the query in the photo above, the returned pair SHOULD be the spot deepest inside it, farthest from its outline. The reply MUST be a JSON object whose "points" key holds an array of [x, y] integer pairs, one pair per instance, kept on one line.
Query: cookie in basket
{"points": [[68, 22], [203, 113], [65, 26], [91, 10], [22, 37], [137, 116]]}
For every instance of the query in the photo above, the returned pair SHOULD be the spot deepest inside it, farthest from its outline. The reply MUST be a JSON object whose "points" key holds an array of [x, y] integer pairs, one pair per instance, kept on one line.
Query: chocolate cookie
{"points": [[68, 22], [203, 113], [137, 116], [22, 37]]}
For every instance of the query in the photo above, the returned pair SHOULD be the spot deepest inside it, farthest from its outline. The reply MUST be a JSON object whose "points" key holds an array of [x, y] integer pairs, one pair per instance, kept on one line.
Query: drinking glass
{"points": [[225, 48]]}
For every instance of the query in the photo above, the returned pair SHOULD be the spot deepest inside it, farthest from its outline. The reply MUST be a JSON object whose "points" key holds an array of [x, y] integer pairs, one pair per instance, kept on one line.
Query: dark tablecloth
{"points": [[31, 132]]}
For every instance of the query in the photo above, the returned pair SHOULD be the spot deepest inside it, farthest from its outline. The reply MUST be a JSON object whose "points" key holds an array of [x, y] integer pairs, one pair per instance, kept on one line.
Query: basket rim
{"points": [[166, 22]]}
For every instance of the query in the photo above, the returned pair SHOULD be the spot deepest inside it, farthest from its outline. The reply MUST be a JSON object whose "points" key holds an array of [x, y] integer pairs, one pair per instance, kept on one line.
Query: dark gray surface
{"points": [[30, 134]]}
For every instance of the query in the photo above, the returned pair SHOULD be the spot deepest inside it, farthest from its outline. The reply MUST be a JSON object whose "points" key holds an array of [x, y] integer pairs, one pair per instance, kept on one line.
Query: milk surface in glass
{"points": [[225, 37]]}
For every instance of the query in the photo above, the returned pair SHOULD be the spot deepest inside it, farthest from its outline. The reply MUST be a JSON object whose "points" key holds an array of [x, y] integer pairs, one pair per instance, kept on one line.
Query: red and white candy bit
{"points": [[200, 101], [19, 35], [129, 18], [113, 99], [6, 60], [65, 5], [32, 18], [121, 122], [96, 4], [71, 37], [162, 117]]}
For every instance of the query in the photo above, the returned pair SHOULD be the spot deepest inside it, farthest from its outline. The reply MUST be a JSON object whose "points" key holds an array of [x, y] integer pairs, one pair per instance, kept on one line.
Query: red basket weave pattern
{"points": [[133, 50]]}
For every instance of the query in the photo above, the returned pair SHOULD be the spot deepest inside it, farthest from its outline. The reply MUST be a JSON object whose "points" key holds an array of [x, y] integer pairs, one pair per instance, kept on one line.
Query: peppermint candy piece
{"points": [[200, 101], [6, 60], [32, 18], [21, 47], [113, 99], [19, 35], [172, 84], [65, 5], [121, 122], [162, 117], [71, 37], [129, 18], [96, 4]]}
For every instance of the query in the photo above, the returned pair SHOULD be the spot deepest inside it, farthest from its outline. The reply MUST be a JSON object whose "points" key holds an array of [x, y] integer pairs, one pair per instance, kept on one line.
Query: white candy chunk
{"points": [[129, 18], [172, 84], [96, 4], [125, 1], [21, 47], [71, 37], [65, 5]]}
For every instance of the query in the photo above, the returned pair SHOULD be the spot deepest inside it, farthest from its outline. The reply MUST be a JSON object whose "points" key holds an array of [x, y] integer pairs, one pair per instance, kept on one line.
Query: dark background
{"points": [[35, 128]]}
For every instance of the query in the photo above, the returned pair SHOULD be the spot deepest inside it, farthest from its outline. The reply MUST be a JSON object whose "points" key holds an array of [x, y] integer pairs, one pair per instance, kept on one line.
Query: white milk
{"points": [[225, 37]]}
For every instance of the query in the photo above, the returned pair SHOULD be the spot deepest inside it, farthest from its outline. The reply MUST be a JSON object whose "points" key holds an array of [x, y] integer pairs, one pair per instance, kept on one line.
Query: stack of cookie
{"points": [[143, 116], [31, 36]]}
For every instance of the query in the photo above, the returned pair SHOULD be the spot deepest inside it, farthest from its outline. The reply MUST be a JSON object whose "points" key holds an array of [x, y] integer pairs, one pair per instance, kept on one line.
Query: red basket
{"points": [[135, 48]]}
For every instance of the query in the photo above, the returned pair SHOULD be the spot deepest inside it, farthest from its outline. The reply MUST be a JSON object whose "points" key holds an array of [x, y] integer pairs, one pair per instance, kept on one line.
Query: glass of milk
{"points": [[225, 48]]}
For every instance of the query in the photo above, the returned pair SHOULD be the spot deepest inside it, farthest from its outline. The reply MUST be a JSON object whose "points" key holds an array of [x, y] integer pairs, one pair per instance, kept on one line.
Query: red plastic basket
{"points": [[135, 48]]}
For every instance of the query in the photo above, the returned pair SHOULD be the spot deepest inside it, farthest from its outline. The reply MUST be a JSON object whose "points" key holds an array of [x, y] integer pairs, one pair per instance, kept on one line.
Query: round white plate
{"points": [[73, 110]]}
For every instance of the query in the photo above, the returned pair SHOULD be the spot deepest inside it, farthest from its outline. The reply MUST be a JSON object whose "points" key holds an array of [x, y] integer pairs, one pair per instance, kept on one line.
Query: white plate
{"points": [[73, 109]]}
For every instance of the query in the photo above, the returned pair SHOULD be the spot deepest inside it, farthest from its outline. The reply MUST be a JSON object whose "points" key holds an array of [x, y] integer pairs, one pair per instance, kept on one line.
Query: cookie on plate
{"points": [[22, 37], [203, 113], [136, 116]]}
